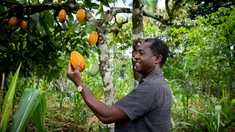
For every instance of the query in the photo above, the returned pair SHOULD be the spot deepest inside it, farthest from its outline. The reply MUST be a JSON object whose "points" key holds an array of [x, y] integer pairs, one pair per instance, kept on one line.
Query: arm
{"points": [[104, 113]]}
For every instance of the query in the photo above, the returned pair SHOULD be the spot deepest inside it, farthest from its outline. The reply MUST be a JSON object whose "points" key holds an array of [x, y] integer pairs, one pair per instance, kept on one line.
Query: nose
{"points": [[135, 57]]}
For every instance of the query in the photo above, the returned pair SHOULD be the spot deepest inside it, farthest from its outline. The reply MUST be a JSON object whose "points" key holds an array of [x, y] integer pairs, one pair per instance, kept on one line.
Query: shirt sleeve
{"points": [[139, 101]]}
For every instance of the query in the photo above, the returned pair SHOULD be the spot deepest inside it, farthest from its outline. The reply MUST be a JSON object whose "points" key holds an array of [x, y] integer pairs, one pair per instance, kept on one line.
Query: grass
{"points": [[67, 118]]}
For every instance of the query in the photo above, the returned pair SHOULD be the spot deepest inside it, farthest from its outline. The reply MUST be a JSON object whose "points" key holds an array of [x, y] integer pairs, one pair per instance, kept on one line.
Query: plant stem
{"points": [[1, 91]]}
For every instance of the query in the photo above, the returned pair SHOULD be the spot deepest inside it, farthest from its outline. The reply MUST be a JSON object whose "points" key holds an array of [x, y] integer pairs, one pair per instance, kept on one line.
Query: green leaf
{"points": [[2, 9], [2, 48], [3, 35], [45, 26], [52, 74], [39, 114], [105, 2], [49, 18], [35, 1], [46, 1], [23, 1], [232, 103], [70, 16], [98, 91], [8, 101], [217, 115], [28, 104], [89, 27], [71, 29], [34, 21], [88, 4]]}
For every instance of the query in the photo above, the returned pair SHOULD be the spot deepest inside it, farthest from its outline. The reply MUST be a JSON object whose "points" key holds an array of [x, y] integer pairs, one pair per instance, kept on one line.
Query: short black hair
{"points": [[157, 47]]}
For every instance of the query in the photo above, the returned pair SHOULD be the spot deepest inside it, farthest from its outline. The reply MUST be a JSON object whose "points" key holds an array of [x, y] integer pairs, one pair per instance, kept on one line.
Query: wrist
{"points": [[80, 87], [78, 84]]}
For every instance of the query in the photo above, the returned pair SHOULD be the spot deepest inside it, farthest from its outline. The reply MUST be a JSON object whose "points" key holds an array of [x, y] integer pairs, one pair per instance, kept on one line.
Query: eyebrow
{"points": [[140, 49]]}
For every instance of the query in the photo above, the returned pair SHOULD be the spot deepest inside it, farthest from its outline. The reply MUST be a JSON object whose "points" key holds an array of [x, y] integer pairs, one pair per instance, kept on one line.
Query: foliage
{"points": [[203, 49], [32, 103], [200, 67], [8, 101], [200, 73], [43, 46], [206, 7], [203, 115], [31, 47], [152, 4]]}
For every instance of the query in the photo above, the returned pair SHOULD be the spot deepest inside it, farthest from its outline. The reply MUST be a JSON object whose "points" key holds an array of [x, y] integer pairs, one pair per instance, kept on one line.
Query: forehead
{"points": [[145, 46]]}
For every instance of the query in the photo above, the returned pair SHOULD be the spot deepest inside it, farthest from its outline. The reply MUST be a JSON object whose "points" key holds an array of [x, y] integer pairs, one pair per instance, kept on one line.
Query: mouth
{"points": [[137, 64]]}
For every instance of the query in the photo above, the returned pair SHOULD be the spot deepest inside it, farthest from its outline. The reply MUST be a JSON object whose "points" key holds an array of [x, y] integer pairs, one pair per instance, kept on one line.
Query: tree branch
{"points": [[158, 18], [116, 10], [31, 9], [167, 8], [117, 28], [175, 5], [174, 8]]}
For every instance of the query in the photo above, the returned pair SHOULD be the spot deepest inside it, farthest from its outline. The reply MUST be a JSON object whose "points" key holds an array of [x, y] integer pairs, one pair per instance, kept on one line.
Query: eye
{"points": [[141, 53]]}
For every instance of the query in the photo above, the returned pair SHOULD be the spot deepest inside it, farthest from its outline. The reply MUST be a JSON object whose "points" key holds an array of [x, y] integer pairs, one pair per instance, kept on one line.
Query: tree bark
{"points": [[106, 73], [137, 21]]}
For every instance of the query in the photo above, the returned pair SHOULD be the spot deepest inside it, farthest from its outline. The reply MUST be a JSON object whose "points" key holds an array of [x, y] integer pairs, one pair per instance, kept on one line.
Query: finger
{"points": [[77, 67], [69, 67]]}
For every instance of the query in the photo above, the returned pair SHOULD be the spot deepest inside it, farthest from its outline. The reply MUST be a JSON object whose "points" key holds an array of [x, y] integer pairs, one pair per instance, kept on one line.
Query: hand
{"points": [[74, 74]]}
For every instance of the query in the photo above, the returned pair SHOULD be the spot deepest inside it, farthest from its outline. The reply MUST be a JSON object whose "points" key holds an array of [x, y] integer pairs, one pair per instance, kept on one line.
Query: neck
{"points": [[157, 68]]}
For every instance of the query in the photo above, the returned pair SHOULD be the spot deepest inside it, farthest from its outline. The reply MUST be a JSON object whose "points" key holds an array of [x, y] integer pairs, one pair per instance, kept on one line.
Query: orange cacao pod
{"points": [[62, 16], [13, 21], [93, 38], [75, 58], [23, 24], [80, 15]]}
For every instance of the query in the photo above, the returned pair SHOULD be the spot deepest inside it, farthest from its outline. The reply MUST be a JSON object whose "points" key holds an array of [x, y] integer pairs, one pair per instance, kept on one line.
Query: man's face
{"points": [[145, 61]]}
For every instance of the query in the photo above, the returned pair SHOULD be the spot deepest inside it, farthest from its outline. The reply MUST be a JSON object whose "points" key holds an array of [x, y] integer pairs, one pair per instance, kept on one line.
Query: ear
{"points": [[158, 59]]}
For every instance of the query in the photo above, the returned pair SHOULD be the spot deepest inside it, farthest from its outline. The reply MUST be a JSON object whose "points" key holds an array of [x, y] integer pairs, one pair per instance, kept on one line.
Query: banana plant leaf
{"points": [[8, 102], [32, 103]]}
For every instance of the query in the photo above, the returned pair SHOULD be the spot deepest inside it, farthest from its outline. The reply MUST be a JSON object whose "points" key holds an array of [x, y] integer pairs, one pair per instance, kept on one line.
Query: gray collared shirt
{"points": [[148, 106]]}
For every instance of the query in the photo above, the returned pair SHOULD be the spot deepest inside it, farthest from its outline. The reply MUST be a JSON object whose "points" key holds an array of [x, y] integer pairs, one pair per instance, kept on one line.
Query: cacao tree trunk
{"points": [[106, 73], [137, 30]]}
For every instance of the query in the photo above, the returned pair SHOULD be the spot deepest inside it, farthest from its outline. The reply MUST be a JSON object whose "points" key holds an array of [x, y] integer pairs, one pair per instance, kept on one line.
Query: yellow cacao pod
{"points": [[62, 16], [75, 58], [80, 15], [93, 38], [13, 21], [23, 24], [94, 69]]}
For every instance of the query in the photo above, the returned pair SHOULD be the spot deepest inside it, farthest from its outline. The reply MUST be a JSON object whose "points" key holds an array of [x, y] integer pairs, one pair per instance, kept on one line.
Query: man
{"points": [[145, 109]]}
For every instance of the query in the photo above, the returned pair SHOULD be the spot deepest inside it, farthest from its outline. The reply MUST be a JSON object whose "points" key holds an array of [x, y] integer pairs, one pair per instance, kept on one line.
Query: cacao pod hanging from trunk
{"points": [[94, 69], [93, 38]]}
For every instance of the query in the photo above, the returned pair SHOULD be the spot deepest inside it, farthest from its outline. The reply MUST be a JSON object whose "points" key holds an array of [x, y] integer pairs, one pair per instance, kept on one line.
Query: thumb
{"points": [[77, 67]]}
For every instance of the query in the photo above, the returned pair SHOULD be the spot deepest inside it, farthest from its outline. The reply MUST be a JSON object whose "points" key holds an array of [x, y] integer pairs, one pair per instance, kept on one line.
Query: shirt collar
{"points": [[152, 76]]}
